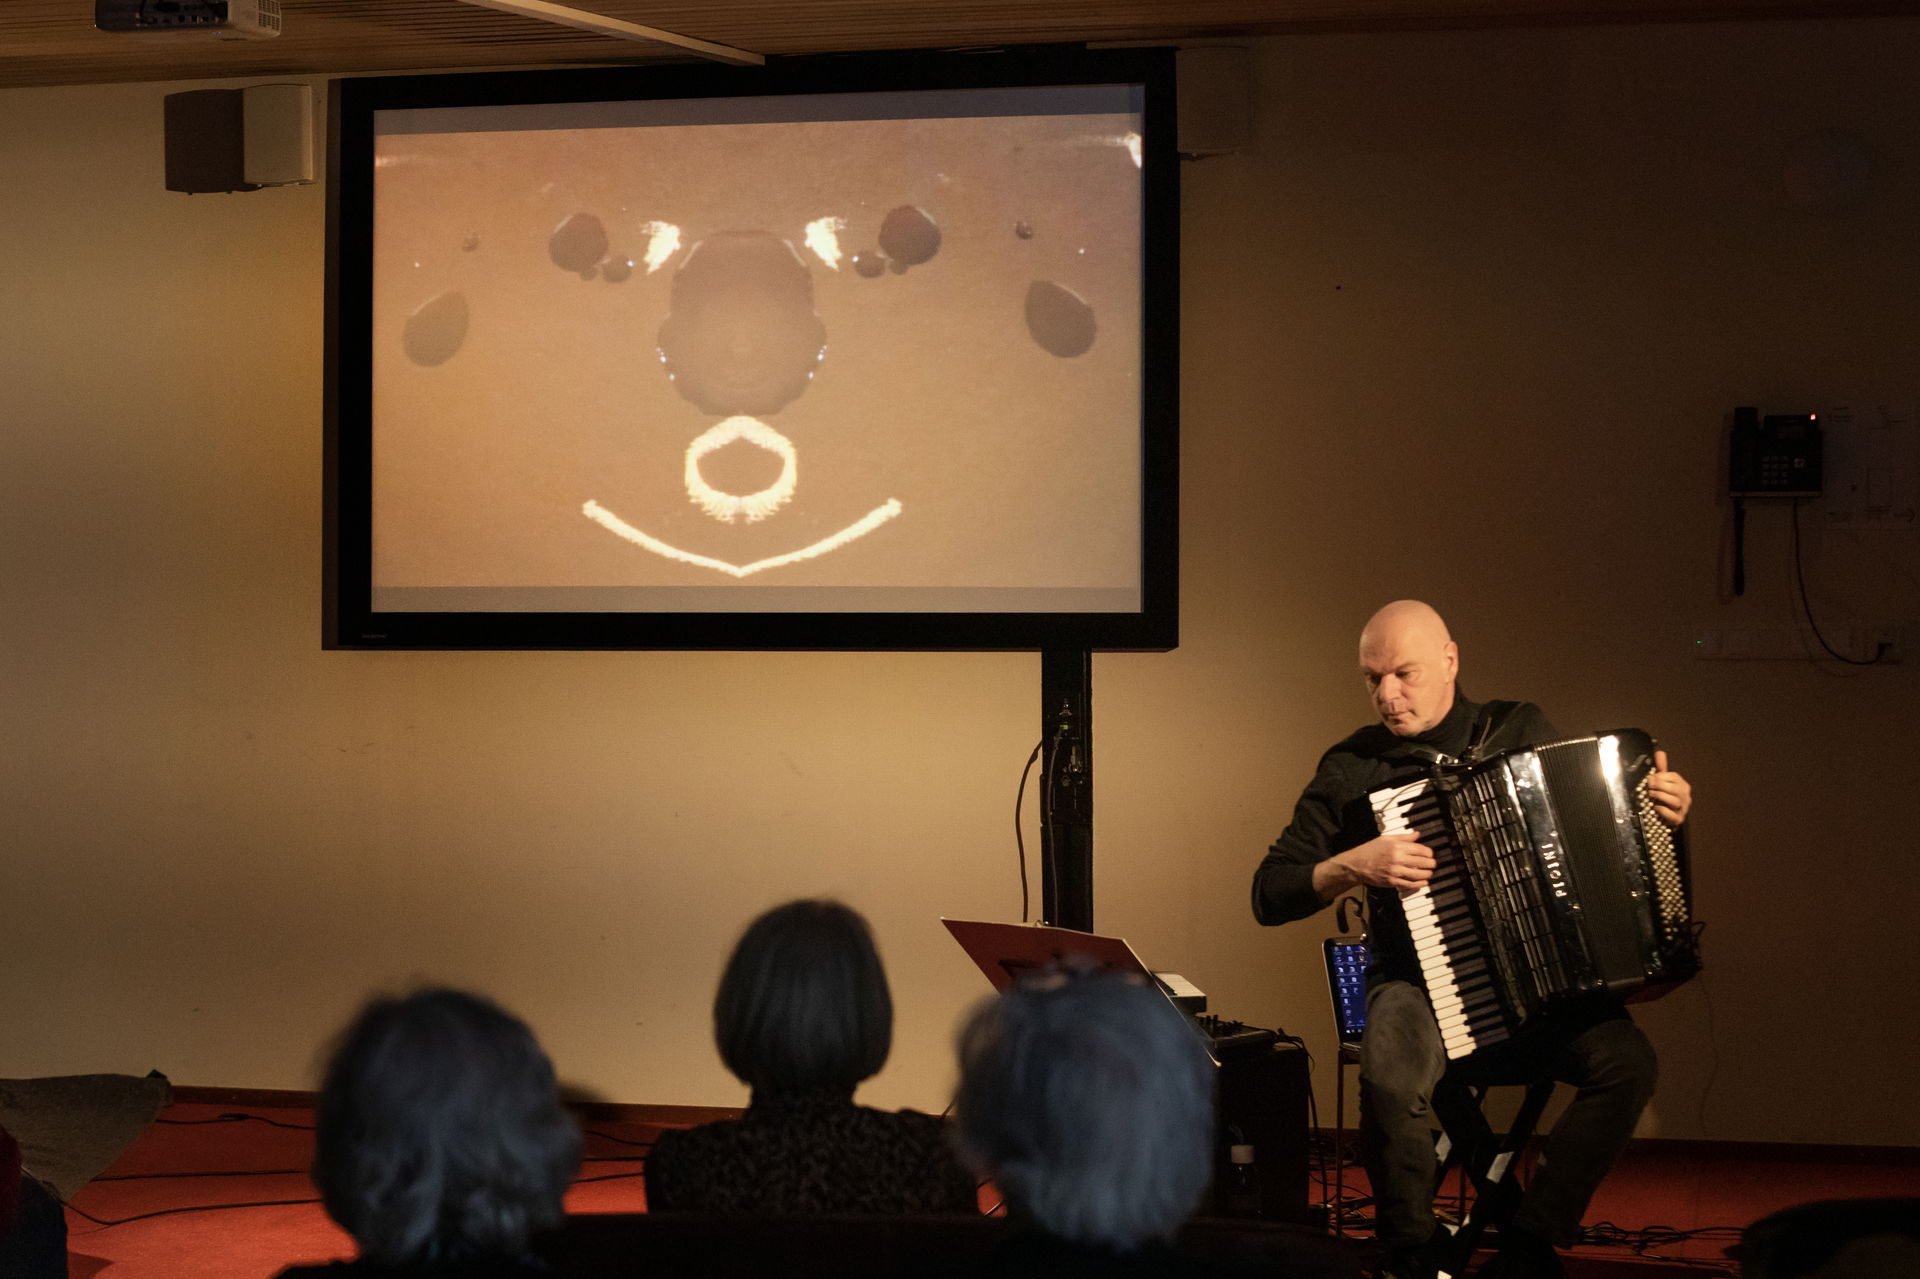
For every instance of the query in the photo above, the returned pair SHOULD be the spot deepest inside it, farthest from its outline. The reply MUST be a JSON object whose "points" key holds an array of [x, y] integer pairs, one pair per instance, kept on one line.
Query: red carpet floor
{"points": [[1706, 1199], [190, 1160], [197, 1160]]}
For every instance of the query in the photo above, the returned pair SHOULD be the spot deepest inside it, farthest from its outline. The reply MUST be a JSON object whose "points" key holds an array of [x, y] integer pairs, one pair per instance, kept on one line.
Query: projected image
{"points": [[821, 364], [742, 337]]}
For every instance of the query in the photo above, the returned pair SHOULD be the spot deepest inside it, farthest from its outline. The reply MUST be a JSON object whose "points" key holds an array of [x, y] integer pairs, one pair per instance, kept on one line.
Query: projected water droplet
{"points": [[471, 243], [897, 267], [869, 263], [1059, 319], [436, 329], [616, 269], [908, 236], [578, 243], [1024, 230]]}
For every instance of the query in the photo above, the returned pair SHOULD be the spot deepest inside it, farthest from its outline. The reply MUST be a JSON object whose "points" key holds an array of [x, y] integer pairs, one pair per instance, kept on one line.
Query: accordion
{"points": [[1555, 878]]}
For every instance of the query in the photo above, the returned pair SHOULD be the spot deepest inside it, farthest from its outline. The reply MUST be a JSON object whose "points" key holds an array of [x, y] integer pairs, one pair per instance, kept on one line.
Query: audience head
{"points": [[1833, 1239], [440, 1131], [1089, 1101], [803, 1005]]}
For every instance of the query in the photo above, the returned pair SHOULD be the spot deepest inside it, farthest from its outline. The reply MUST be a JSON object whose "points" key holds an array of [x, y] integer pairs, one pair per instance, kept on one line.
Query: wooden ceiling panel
{"points": [[50, 42]]}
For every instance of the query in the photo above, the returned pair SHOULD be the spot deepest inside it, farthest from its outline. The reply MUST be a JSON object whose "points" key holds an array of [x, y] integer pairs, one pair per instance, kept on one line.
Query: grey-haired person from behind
{"points": [[1089, 1102], [441, 1145]]}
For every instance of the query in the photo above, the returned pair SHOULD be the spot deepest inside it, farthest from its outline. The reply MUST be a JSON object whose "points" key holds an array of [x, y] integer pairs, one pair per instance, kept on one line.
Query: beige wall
{"points": [[1464, 323]]}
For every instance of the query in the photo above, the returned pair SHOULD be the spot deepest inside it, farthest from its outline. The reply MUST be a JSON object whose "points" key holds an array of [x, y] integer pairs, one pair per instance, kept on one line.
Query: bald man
{"points": [[1411, 667]]}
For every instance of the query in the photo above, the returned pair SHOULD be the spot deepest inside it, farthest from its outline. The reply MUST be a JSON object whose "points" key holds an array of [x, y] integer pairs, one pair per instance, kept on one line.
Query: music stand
{"points": [[1008, 952]]}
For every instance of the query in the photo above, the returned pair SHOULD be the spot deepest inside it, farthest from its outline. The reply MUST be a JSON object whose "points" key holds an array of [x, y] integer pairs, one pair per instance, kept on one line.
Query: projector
{"points": [[220, 19]]}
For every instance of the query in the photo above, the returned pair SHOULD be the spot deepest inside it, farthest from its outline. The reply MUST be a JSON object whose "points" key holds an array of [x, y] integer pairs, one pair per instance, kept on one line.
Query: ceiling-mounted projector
{"points": [[220, 19]]}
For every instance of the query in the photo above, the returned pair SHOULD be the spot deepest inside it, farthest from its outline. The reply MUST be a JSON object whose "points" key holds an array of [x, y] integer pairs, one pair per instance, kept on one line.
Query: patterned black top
{"points": [[805, 1154]]}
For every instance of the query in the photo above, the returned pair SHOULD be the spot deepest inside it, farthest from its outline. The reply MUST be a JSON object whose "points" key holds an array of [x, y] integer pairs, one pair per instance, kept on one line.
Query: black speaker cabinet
{"points": [[1261, 1101]]}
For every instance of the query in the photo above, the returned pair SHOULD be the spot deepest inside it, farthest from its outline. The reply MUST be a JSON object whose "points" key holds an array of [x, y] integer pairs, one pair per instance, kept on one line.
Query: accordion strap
{"points": [[1484, 740]]}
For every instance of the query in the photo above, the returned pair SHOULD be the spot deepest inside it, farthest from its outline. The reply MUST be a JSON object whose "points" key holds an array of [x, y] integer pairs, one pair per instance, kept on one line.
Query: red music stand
{"points": [[1008, 952]]}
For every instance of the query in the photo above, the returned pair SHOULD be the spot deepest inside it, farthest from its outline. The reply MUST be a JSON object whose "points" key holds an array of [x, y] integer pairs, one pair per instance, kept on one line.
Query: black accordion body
{"points": [[1555, 878]]}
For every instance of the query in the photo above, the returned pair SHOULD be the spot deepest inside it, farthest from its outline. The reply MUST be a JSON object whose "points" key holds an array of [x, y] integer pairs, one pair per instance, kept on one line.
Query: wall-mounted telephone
{"points": [[1774, 456]]}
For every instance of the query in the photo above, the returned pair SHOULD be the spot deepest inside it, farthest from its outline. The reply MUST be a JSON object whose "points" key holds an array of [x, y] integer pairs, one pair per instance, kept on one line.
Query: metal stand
{"points": [[1337, 1210]]}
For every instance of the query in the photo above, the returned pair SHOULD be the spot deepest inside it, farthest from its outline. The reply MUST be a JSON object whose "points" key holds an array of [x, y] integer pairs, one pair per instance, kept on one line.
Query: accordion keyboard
{"points": [[1453, 961]]}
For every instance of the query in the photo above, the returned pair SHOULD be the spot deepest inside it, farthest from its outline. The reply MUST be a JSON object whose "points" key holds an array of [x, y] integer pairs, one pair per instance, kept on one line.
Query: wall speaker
{"points": [[278, 134]]}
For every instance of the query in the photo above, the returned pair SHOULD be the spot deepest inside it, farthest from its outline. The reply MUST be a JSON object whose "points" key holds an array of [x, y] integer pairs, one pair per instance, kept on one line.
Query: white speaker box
{"points": [[277, 120]]}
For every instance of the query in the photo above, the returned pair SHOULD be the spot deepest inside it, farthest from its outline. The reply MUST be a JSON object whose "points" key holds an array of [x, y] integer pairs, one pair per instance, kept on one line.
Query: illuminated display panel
{"points": [[738, 364]]}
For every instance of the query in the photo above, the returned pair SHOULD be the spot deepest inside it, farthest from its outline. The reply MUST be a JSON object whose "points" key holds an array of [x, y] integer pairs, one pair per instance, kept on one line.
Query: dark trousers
{"points": [[1591, 1044]]}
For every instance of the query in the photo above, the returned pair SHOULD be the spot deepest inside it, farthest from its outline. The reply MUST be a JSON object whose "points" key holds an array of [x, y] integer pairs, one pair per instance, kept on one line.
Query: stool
{"points": [[1468, 1141]]}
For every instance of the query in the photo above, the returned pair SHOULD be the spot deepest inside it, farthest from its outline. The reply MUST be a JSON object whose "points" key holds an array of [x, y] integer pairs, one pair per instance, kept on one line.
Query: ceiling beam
{"points": [[621, 30]]}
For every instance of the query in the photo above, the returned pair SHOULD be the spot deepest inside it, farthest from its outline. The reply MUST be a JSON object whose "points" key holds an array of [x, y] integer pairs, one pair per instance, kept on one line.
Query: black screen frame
{"points": [[349, 621]]}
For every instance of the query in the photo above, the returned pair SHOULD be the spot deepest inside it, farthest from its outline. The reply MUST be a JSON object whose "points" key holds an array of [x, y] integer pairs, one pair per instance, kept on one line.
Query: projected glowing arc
{"points": [[859, 528]]}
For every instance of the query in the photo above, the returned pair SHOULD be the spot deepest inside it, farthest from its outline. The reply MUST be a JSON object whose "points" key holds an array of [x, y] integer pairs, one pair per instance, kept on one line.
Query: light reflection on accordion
{"points": [[1555, 878]]}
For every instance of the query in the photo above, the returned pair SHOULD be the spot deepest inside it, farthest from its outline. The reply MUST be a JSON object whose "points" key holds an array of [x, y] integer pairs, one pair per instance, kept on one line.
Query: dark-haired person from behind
{"points": [[802, 1017], [441, 1145]]}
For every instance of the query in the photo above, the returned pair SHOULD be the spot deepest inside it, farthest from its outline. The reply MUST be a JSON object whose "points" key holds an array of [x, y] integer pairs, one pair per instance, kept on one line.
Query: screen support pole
{"points": [[1066, 789]]}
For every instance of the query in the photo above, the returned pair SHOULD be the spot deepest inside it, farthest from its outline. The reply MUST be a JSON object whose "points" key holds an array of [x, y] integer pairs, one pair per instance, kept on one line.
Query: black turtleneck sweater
{"points": [[1333, 815]]}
